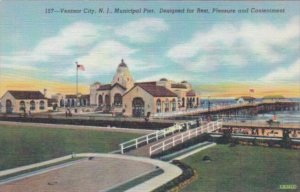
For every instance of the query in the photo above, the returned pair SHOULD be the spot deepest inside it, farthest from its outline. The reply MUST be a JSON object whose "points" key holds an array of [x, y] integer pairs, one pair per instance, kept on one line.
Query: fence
{"points": [[177, 139], [199, 110], [135, 143]]}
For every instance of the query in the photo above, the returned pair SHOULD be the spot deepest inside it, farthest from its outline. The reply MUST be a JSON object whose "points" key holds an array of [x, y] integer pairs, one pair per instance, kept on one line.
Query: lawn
{"points": [[23, 146], [245, 169]]}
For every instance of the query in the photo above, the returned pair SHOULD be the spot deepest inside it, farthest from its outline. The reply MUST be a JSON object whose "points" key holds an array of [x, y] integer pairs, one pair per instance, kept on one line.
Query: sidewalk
{"points": [[81, 127]]}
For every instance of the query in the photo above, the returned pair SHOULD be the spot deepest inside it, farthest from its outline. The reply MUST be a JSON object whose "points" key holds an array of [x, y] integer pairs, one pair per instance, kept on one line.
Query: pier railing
{"points": [[180, 138]]}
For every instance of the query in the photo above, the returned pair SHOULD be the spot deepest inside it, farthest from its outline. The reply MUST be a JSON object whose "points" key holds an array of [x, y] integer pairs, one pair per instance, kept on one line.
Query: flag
{"points": [[251, 90], [80, 67]]}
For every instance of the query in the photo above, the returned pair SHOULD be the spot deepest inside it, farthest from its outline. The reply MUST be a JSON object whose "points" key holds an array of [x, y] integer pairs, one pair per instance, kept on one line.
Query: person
{"points": [[66, 113], [29, 113]]}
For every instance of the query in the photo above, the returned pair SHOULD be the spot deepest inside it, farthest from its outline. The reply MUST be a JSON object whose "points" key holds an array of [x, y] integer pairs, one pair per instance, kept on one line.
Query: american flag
{"points": [[80, 67], [251, 90]]}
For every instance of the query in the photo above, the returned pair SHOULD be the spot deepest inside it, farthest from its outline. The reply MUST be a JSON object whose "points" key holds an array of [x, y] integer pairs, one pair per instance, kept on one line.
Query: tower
{"points": [[123, 76]]}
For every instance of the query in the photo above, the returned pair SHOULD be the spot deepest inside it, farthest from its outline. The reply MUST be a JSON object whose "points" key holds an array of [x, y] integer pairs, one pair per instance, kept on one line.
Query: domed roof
{"points": [[163, 79], [122, 64], [183, 81]]}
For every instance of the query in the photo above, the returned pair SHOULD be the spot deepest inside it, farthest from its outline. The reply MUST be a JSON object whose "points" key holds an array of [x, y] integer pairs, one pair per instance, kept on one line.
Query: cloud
{"points": [[283, 75], [169, 76], [104, 58], [144, 30], [235, 45], [77, 35], [67, 42]]}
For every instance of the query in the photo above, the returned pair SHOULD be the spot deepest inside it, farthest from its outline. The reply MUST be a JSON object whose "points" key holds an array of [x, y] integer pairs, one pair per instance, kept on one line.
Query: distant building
{"points": [[24, 101], [132, 98], [245, 100], [274, 98]]}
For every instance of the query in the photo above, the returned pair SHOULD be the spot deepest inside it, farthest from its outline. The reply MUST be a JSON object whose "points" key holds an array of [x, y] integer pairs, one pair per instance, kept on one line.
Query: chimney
{"points": [[45, 92]]}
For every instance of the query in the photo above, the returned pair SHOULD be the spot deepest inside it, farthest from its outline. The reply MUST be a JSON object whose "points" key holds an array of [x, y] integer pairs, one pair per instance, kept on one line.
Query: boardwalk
{"points": [[260, 125]]}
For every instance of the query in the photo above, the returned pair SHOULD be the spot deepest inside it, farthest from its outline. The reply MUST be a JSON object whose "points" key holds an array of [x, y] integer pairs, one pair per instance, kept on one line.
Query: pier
{"points": [[232, 110]]}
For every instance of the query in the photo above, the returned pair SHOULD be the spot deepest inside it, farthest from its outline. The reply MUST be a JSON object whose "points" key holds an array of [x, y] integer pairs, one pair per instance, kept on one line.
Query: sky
{"points": [[221, 54]]}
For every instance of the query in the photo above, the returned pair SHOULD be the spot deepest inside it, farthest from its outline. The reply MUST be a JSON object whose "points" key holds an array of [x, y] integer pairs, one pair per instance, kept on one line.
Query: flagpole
{"points": [[76, 83]]}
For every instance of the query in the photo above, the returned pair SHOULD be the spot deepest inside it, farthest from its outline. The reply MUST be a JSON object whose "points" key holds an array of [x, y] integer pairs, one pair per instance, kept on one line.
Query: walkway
{"points": [[103, 172]]}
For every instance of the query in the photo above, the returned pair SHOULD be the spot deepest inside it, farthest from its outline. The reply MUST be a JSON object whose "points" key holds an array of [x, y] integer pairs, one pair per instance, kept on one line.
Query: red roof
{"points": [[27, 94], [178, 86], [104, 87], [191, 93], [157, 91], [70, 96], [146, 83]]}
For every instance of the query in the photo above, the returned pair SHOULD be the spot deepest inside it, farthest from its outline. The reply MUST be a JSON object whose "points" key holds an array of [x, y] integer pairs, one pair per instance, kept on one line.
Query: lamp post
{"points": [[208, 107]]}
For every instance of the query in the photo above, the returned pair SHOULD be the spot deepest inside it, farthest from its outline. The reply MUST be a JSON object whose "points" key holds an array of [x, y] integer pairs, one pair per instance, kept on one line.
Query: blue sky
{"points": [[255, 49]]}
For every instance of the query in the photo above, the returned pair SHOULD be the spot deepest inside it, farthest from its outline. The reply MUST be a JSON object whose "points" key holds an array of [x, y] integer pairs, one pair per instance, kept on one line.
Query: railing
{"points": [[135, 143], [177, 139], [198, 110]]}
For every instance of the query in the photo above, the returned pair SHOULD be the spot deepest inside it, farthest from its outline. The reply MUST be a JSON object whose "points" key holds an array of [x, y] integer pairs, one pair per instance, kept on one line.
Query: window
{"points": [[32, 105], [62, 103], [173, 105], [158, 106], [183, 101], [42, 105], [22, 105], [118, 100], [167, 105]]}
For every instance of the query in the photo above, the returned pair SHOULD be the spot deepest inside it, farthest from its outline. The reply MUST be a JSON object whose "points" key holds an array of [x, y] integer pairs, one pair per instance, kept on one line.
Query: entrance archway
{"points": [[8, 105], [138, 107], [100, 100]]}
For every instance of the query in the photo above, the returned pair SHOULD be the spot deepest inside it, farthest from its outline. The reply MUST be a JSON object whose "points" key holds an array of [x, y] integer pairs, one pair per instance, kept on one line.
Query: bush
{"points": [[187, 173]]}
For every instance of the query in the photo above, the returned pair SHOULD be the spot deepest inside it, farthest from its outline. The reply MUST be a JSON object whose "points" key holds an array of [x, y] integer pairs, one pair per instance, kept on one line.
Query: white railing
{"points": [[146, 139], [150, 137], [177, 139]]}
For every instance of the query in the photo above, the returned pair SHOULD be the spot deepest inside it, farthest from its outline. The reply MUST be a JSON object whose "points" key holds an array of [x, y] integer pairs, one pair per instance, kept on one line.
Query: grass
{"points": [[27, 145], [245, 169]]}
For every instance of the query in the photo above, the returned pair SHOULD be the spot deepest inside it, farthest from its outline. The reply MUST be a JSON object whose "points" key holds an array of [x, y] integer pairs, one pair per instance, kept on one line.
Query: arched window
{"points": [[138, 107], [173, 105], [68, 103], [72, 102], [167, 105], [118, 99], [9, 107], [62, 103], [42, 105], [158, 106], [32, 105], [183, 102], [22, 105]]}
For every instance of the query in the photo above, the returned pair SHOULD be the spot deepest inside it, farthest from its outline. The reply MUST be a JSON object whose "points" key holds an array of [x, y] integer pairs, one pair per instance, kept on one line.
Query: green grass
{"points": [[244, 169], [27, 145]]}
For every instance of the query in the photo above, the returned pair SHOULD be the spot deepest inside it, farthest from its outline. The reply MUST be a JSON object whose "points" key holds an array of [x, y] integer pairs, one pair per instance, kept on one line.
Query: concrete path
{"points": [[170, 171], [81, 127]]}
